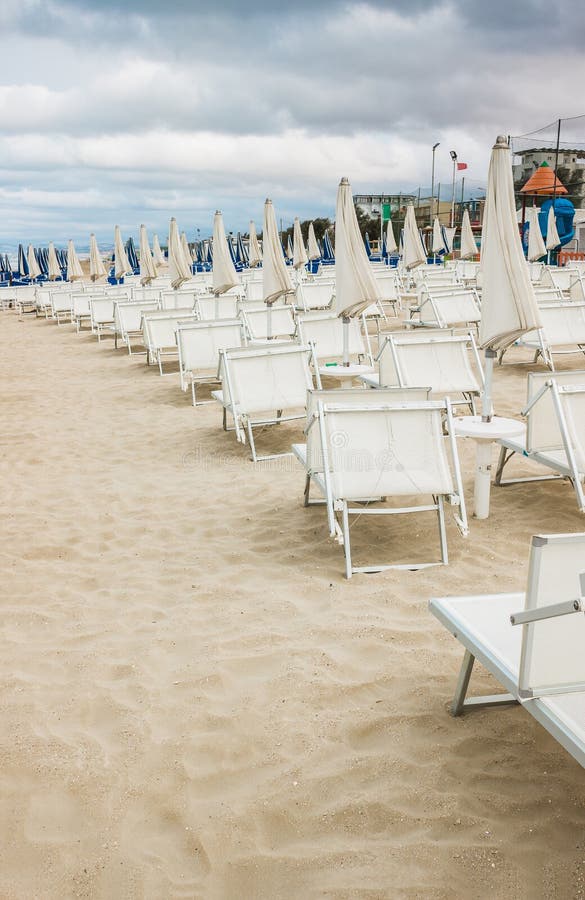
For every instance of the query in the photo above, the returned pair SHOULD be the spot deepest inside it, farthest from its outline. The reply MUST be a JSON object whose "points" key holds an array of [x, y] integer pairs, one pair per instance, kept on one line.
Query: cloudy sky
{"points": [[129, 112]]}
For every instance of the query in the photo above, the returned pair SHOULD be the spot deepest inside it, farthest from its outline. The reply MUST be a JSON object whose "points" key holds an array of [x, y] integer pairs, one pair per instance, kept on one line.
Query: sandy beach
{"points": [[194, 701]]}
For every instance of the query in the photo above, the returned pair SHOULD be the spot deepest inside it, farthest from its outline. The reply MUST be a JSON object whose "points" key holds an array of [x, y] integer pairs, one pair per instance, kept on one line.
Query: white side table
{"points": [[345, 374], [485, 434]]}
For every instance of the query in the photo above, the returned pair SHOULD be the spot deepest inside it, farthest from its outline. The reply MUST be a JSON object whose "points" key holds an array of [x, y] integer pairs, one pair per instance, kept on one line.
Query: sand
{"points": [[194, 701]]}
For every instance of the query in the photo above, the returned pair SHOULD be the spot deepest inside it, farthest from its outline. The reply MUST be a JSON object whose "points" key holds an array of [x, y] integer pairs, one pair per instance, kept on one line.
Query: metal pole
{"points": [[556, 167], [433, 184], [454, 158], [462, 190]]}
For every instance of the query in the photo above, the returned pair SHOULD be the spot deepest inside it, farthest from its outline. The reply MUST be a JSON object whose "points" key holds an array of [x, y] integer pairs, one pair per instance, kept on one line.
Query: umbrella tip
{"points": [[344, 180], [268, 200], [501, 142], [218, 212]]}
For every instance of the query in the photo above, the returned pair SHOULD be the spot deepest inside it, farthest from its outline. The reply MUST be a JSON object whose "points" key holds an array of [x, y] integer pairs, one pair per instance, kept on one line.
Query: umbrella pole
{"points": [[345, 321], [486, 407], [269, 321]]}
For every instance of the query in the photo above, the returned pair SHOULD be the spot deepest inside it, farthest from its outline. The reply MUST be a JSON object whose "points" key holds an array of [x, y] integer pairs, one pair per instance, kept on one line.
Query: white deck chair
{"points": [[325, 331], [309, 454], [555, 430], [61, 306], [178, 299], [254, 290], [259, 384], [558, 277], [128, 319], [390, 289], [317, 294], [39, 299], [448, 363], [199, 344], [282, 323], [535, 654], [101, 308], [447, 308], [209, 307], [159, 329], [563, 331], [380, 450]]}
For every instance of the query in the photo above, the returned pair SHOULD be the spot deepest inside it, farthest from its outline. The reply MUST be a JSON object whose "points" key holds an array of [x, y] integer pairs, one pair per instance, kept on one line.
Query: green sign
{"points": [[385, 211]]}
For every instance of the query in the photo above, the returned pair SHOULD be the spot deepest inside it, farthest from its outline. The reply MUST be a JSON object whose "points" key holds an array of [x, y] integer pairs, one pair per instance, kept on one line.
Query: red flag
{"points": [[461, 166]]}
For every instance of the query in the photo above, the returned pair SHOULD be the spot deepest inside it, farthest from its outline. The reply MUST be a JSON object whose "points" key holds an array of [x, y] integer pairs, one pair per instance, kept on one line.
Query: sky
{"points": [[131, 112]]}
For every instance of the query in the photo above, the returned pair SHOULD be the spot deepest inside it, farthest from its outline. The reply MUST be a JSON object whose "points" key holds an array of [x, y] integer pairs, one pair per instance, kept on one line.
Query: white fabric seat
{"points": [[199, 344], [159, 333], [209, 307], [555, 430], [260, 384], [316, 294], [563, 330], [279, 320], [325, 332], [447, 308], [371, 450], [101, 308], [128, 319], [539, 663]]}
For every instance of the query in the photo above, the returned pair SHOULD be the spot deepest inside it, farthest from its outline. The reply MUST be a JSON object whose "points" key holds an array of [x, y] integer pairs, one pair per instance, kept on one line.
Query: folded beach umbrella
{"points": [[289, 249], [313, 251], [391, 245], [536, 248], [468, 245], [33, 267], [275, 277], [413, 251], [449, 237], [131, 254], [97, 269], [367, 245], [328, 254], [159, 259], [147, 266], [42, 259], [254, 251], [179, 268], [186, 251], [121, 264], [54, 269], [508, 306], [552, 235], [356, 287], [22, 263], [74, 270], [438, 245], [300, 257], [241, 255], [224, 275]]}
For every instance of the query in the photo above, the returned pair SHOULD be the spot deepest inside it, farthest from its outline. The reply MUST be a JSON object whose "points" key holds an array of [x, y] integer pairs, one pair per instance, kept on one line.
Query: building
{"points": [[390, 204], [570, 167]]}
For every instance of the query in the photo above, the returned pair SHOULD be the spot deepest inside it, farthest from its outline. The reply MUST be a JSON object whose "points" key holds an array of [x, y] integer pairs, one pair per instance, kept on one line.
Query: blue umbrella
{"points": [[368, 245], [22, 265], [241, 254], [131, 254], [230, 244], [328, 254], [43, 260]]}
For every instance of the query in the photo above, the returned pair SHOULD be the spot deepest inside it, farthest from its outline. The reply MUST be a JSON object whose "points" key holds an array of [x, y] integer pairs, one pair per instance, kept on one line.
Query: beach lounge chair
{"points": [[448, 363], [563, 331], [390, 289], [260, 384], [539, 659], [60, 305], [325, 332], [128, 319], [101, 311], [447, 308], [209, 307], [314, 294], [280, 320], [199, 344], [379, 450], [555, 430], [561, 278], [159, 329]]}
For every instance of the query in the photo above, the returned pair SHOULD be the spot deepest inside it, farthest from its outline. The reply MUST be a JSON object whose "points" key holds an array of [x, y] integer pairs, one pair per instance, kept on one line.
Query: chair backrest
{"points": [[348, 397], [563, 323], [178, 299], [268, 378], [254, 290], [326, 333], [209, 307], [577, 286], [392, 449], [128, 314], [159, 327], [60, 301], [448, 364], [315, 294], [571, 398], [543, 431], [460, 305], [548, 294], [281, 319], [551, 659], [387, 285], [80, 305], [560, 278], [200, 342], [101, 309]]}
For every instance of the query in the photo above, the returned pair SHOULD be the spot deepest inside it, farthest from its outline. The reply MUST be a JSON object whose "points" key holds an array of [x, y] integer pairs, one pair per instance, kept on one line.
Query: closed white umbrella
{"points": [[468, 245], [552, 235], [438, 245], [186, 251], [96, 266], [159, 259], [254, 251], [449, 237], [356, 287], [275, 276], [179, 268], [121, 264], [54, 267], [74, 270], [391, 245], [147, 266], [536, 248], [413, 252], [300, 257], [313, 246], [34, 269], [224, 275]]}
